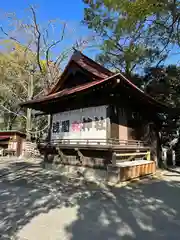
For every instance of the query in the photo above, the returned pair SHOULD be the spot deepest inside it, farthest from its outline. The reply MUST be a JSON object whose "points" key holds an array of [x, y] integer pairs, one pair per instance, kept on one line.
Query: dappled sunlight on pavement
{"points": [[38, 204]]}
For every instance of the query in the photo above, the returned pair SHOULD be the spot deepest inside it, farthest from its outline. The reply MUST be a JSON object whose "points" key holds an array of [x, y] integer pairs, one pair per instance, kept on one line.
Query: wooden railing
{"points": [[126, 157], [100, 142]]}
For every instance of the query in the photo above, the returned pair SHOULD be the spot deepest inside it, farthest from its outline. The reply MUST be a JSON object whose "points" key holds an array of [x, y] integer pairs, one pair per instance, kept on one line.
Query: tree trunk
{"points": [[29, 111]]}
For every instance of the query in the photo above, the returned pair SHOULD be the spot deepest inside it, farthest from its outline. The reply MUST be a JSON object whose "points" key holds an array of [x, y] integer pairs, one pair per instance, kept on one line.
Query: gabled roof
{"points": [[95, 70], [69, 91], [88, 86], [99, 76]]}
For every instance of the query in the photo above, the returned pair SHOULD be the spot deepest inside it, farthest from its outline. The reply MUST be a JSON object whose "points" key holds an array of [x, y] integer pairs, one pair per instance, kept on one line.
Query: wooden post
{"points": [[108, 125], [114, 158], [50, 127], [148, 155], [80, 156], [173, 158], [164, 156]]}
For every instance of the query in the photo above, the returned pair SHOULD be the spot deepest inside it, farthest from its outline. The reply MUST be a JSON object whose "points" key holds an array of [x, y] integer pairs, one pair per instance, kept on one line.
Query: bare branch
{"points": [[161, 60], [178, 37], [6, 109], [132, 68], [38, 40], [5, 33], [27, 48], [61, 58], [38, 131], [54, 44]]}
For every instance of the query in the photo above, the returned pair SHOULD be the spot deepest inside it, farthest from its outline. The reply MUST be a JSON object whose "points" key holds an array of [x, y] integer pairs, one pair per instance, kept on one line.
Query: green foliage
{"points": [[15, 67], [28, 66], [163, 84], [134, 33]]}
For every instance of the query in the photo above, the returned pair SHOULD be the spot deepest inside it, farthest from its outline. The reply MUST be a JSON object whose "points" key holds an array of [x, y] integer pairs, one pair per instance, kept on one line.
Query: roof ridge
{"points": [[94, 62], [76, 57]]}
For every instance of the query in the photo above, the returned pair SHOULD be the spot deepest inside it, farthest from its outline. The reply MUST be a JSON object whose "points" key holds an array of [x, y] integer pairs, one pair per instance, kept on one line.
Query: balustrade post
{"points": [[148, 155], [114, 158]]}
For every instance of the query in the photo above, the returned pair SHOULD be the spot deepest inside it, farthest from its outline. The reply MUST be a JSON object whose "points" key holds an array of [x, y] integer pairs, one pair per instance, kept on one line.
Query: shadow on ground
{"points": [[148, 210]]}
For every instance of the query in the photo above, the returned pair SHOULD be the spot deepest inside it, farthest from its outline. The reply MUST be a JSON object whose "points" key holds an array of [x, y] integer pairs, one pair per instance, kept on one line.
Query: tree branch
{"points": [[12, 38], [6, 109], [54, 44], [37, 34]]}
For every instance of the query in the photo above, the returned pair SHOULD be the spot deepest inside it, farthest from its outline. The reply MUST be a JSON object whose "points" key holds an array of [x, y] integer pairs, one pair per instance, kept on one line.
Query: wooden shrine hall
{"points": [[100, 119]]}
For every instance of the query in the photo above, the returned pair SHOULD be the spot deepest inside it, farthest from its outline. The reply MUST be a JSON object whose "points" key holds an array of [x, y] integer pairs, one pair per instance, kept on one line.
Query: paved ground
{"points": [[35, 205]]}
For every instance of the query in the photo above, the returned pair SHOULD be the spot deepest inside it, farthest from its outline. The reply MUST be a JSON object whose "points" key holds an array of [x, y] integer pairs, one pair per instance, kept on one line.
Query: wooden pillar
{"points": [[46, 155], [173, 158], [164, 157], [108, 125], [148, 155], [114, 122], [114, 158], [50, 128]]}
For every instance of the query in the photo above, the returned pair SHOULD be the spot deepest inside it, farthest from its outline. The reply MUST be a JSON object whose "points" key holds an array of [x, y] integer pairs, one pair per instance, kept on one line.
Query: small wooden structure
{"points": [[124, 171], [11, 142], [98, 118]]}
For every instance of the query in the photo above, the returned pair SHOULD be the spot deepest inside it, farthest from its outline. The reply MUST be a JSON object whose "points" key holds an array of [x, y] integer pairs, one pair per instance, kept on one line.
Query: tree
{"points": [[134, 33], [14, 81], [163, 84], [29, 64]]}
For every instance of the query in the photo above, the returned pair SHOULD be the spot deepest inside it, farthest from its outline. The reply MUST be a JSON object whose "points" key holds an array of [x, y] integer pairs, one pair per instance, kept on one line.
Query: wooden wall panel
{"points": [[128, 173]]}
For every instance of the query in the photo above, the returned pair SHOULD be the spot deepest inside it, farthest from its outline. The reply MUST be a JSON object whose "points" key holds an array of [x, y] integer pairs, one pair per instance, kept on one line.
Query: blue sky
{"points": [[70, 11], [67, 10], [63, 9]]}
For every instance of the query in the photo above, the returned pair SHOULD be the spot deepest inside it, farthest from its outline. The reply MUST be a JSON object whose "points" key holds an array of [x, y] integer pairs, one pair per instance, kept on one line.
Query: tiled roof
{"points": [[100, 75], [91, 66], [69, 91], [78, 89], [94, 69]]}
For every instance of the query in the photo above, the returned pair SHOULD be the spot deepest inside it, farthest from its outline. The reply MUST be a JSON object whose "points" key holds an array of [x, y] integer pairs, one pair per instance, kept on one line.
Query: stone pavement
{"points": [[36, 204]]}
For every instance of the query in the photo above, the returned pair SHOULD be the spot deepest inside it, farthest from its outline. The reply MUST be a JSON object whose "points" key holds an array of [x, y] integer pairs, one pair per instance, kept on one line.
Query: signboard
{"points": [[82, 124], [12, 144]]}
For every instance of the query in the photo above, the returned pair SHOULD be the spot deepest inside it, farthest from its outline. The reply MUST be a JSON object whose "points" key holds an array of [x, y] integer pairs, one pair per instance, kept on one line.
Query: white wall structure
{"points": [[81, 124]]}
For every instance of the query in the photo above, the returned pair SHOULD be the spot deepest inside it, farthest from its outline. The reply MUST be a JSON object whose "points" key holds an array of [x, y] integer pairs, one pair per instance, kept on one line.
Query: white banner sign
{"points": [[86, 123]]}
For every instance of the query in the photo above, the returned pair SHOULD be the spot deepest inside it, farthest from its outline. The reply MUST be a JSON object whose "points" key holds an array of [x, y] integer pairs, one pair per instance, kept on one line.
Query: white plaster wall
{"points": [[76, 131]]}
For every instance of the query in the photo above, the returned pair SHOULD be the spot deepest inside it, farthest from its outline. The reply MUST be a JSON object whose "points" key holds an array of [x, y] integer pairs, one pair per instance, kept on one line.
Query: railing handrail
{"points": [[114, 139], [108, 141]]}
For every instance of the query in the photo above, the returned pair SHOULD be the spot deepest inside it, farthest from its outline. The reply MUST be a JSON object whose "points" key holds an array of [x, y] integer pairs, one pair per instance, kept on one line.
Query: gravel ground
{"points": [[36, 204]]}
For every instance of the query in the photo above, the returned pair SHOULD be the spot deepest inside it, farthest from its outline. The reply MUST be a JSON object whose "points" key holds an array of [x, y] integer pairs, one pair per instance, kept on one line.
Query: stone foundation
{"points": [[79, 172], [115, 174], [83, 158]]}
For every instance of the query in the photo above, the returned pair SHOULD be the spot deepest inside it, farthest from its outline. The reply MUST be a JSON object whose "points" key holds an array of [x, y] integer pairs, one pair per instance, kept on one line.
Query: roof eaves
{"points": [[91, 84], [142, 92], [68, 91]]}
